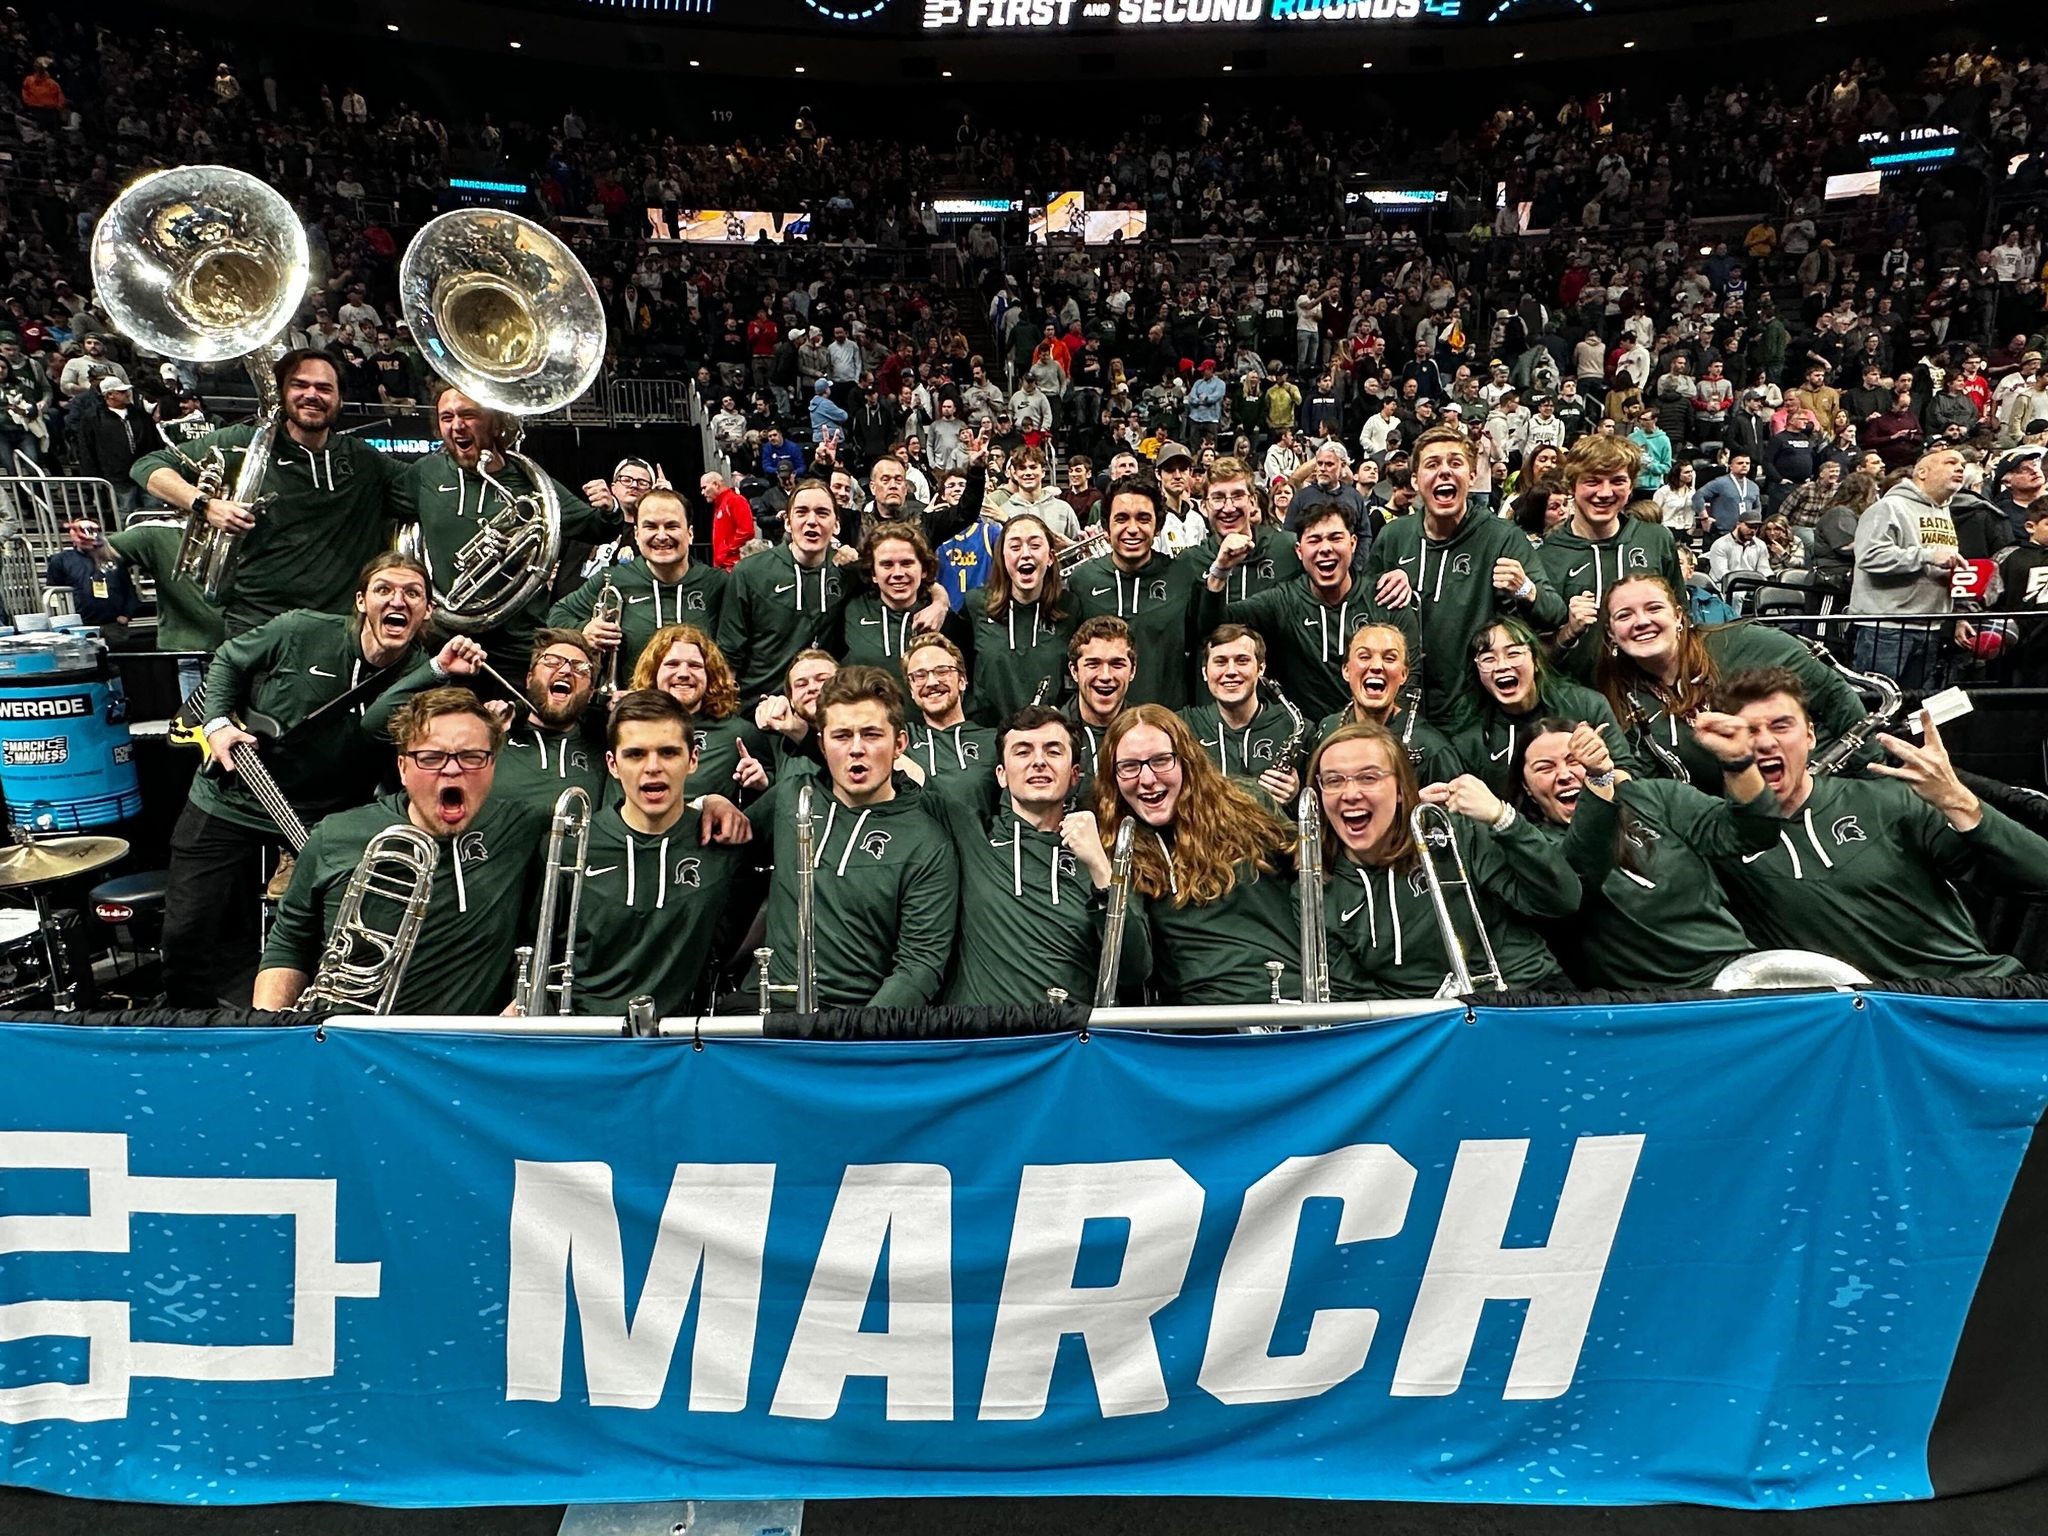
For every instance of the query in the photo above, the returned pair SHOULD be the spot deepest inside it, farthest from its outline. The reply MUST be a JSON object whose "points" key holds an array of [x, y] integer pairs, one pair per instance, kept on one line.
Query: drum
{"points": [[24, 960]]}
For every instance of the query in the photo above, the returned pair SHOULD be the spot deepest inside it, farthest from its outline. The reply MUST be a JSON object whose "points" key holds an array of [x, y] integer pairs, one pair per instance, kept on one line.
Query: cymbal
{"points": [[53, 858]]}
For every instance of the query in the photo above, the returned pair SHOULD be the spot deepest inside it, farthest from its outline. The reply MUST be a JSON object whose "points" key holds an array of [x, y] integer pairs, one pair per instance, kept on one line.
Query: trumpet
{"points": [[1434, 829], [607, 609], [542, 978], [204, 263], [805, 989], [1315, 938], [363, 964], [1835, 756], [1122, 867], [1094, 542]]}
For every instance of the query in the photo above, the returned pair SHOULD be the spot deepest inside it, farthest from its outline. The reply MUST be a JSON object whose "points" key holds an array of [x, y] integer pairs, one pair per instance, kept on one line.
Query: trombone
{"points": [[204, 263], [1433, 829], [1122, 872], [542, 978], [805, 989], [362, 966]]}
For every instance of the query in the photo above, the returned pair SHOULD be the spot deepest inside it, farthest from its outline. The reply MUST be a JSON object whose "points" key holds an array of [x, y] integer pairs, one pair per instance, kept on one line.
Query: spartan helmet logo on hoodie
{"points": [[471, 850], [876, 843], [688, 873], [1848, 830]]}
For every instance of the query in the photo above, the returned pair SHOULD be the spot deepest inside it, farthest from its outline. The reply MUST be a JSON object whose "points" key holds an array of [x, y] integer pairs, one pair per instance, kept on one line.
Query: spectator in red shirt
{"points": [[763, 335], [732, 520]]}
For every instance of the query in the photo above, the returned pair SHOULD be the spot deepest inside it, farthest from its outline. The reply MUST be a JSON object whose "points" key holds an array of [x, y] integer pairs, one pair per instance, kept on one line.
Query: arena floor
{"points": [[2018, 1511]]}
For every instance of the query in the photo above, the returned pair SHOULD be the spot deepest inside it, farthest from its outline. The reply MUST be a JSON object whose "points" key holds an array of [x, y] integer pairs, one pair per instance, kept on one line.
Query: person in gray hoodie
{"points": [[1906, 554]]}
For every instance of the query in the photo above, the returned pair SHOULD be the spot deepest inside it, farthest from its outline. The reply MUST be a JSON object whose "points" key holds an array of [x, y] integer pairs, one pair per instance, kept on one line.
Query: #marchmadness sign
{"points": [[1717, 1252]]}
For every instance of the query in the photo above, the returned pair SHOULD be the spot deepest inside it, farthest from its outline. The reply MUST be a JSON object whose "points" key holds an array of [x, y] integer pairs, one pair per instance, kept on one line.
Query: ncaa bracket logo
{"points": [[848, 10]]}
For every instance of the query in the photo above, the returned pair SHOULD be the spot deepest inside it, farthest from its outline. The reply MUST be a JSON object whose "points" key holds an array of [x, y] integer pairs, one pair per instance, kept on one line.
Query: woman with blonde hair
{"points": [[684, 662], [1213, 862], [1384, 939]]}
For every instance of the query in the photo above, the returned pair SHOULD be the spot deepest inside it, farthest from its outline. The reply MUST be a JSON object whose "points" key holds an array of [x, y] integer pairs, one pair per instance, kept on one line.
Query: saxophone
{"points": [[1835, 756]]}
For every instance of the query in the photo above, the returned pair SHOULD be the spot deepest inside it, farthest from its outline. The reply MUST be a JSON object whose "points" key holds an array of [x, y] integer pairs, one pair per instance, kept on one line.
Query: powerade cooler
{"points": [[66, 759]]}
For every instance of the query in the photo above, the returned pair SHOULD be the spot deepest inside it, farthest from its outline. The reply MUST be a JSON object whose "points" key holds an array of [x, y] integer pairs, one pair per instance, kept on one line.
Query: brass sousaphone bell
{"points": [[504, 312]]}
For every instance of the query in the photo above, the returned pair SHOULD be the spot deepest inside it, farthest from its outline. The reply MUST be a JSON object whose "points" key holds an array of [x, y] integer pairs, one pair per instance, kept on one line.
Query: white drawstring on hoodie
{"points": [[633, 870], [798, 567], [1372, 912], [1010, 613], [1017, 831], [313, 464], [1812, 837]]}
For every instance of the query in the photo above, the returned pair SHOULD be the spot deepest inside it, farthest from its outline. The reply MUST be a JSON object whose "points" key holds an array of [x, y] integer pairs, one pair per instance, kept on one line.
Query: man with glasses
{"points": [[1232, 506], [489, 850], [304, 679], [631, 479], [942, 743]]}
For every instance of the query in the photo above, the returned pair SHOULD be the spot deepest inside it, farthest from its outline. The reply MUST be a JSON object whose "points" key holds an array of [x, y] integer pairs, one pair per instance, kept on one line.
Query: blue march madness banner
{"points": [[1708, 1252]]}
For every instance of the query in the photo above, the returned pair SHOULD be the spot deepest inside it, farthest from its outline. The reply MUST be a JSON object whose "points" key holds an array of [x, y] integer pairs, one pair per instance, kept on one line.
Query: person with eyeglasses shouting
{"points": [[490, 850], [1214, 864], [942, 743]]}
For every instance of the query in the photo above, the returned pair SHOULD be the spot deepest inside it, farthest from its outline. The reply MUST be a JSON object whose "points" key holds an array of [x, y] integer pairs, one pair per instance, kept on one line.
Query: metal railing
{"points": [[639, 400], [41, 506], [21, 574]]}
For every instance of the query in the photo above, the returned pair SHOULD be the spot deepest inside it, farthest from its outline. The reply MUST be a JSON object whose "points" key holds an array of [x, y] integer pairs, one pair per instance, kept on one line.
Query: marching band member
{"points": [[730, 755], [778, 598], [553, 740], [790, 717], [1599, 545], [1516, 690], [1163, 599], [899, 600], [1652, 913], [1659, 670], [1231, 505], [664, 586], [1213, 863], [656, 883], [1019, 622], [1463, 572], [1376, 669], [1384, 939], [1246, 735], [310, 673], [1033, 874], [329, 500], [1308, 620], [490, 849], [458, 491], [942, 743], [887, 879], [1864, 870], [1102, 660]]}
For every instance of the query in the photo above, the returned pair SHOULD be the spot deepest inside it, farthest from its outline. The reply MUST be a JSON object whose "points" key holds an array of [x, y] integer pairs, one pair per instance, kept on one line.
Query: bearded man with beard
{"points": [[327, 500], [459, 490], [554, 740]]}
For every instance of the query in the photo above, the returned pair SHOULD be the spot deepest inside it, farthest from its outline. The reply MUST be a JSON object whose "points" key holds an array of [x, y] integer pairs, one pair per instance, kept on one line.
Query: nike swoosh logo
{"points": [[1308, 623], [1352, 913], [648, 597], [1580, 570], [605, 870], [787, 587], [1097, 591], [318, 672], [870, 623], [1751, 858]]}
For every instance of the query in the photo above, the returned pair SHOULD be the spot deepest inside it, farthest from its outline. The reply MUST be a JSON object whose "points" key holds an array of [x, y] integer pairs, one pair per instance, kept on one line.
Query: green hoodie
{"points": [[287, 669], [864, 631], [650, 909], [1436, 760], [452, 505], [1169, 608], [953, 750], [1864, 871], [718, 755], [1833, 704], [772, 610], [647, 605], [1031, 919], [329, 513], [185, 620], [1577, 564], [1270, 741], [479, 910], [886, 894], [1307, 639], [1384, 940], [1216, 954], [1489, 748], [1010, 658], [1272, 562], [1663, 922], [534, 765], [1453, 583]]}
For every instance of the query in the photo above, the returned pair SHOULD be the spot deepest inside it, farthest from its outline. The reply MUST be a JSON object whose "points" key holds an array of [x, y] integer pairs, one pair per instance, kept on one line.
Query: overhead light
{"points": [[1228, 68], [799, 69], [1366, 65], [1630, 43], [517, 44], [390, 26], [1521, 54], [947, 73], [694, 64]]}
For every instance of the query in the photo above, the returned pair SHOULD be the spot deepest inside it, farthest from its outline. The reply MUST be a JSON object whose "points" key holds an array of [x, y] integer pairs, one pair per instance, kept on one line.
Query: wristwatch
{"points": [[200, 504]]}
